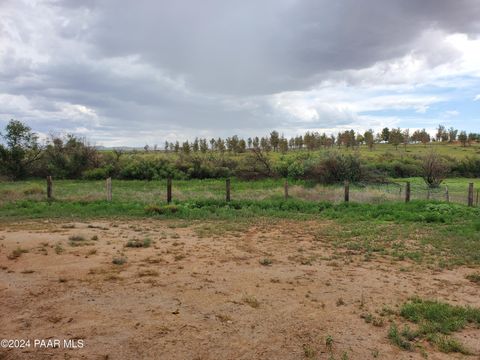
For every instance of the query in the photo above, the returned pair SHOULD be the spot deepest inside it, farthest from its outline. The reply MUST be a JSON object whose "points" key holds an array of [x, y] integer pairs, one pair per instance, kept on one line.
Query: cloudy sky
{"points": [[126, 72]]}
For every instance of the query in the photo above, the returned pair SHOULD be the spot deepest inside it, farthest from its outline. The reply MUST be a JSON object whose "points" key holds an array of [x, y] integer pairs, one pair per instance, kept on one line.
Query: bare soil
{"points": [[262, 290]]}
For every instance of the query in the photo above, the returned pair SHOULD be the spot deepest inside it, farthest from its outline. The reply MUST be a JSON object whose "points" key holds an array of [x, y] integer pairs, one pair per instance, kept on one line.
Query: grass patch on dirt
{"points": [[119, 260], [475, 278], [15, 254], [78, 240], [251, 301], [136, 243], [434, 321]]}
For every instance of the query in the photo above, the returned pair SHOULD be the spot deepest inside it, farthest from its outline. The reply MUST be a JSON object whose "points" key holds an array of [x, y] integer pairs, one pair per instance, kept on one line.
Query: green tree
{"points": [[442, 133], [463, 138], [21, 150], [196, 146], [69, 156], [283, 145], [360, 139], [421, 136], [452, 134], [274, 140], [186, 147], [406, 137], [203, 146], [385, 134], [220, 145], [369, 138], [242, 146], [396, 137]]}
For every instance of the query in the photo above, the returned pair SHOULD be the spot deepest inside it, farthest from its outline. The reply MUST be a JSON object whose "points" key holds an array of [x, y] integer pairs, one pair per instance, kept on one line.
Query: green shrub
{"points": [[97, 174], [161, 210], [468, 167], [34, 190], [135, 243], [119, 260], [397, 339]]}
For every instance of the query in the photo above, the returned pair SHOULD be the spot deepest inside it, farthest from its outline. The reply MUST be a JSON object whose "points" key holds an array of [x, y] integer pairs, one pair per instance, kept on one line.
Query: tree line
{"points": [[70, 157], [314, 141]]}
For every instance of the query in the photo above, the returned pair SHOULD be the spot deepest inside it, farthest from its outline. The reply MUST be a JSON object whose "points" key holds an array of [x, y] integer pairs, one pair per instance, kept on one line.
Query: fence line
{"points": [[373, 194]]}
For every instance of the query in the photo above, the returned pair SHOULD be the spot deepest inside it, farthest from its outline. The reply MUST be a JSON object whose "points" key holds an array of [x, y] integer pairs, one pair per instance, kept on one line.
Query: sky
{"points": [[130, 73]]}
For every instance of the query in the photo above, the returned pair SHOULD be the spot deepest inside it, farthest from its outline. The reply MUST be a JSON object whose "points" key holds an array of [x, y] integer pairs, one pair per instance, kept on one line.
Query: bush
{"points": [[135, 243], [34, 190], [161, 210], [397, 168], [98, 173], [468, 167], [69, 157], [139, 170], [119, 260], [335, 167]]}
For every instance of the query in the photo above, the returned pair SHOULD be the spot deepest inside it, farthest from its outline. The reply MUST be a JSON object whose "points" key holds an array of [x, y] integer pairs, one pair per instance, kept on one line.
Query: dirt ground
{"points": [[262, 290]]}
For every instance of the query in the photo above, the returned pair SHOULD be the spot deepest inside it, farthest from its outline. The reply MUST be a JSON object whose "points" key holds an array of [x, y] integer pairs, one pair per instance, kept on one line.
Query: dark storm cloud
{"points": [[185, 66], [269, 46]]}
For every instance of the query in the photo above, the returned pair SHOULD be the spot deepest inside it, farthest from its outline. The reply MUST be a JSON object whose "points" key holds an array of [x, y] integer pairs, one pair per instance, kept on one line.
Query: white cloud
{"points": [[451, 113]]}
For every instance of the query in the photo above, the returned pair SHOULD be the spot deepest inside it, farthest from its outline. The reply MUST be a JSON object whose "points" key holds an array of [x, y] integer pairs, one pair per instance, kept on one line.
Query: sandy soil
{"points": [[200, 292]]}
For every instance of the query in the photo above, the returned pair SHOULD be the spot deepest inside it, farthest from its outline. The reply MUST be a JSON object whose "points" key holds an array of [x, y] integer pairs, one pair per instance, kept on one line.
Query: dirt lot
{"points": [[262, 290]]}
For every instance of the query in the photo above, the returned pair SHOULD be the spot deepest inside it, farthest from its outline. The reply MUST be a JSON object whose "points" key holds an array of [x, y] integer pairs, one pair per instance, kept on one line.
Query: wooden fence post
{"points": [[476, 202], [347, 191], [447, 195], [49, 188], [407, 192], [286, 189], [470, 194], [227, 189], [109, 189], [169, 190]]}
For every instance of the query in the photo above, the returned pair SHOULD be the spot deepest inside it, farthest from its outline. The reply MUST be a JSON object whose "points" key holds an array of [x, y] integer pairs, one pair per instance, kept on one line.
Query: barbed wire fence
{"points": [[361, 193]]}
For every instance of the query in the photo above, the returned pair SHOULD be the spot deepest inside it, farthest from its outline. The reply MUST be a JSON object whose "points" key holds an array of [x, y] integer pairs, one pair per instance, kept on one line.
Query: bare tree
{"points": [[255, 165], [118, 152], [434, 169]]}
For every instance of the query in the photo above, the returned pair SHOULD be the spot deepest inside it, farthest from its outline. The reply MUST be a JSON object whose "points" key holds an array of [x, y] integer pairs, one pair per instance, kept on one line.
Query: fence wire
{"points": [[188, 190]]}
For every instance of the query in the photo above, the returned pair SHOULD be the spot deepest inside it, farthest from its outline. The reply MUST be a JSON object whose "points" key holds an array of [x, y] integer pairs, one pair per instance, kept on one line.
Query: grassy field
{"points": [[456, 151]]}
